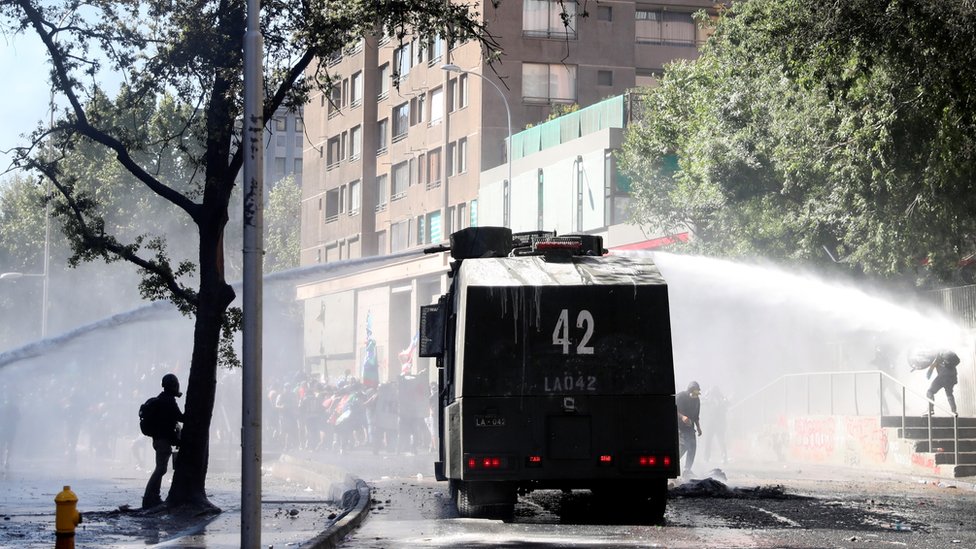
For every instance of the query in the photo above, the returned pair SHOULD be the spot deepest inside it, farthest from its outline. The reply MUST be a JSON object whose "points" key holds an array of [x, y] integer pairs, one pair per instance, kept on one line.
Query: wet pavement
{"points": [[294, 510], [771, 506]]}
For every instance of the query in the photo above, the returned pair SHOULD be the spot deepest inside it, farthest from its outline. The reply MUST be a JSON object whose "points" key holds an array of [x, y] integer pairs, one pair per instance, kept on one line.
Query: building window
{"points": [[457, 93], [298, 141], [298, 166], [401, 180], [382, 191], [462, 216], [381, 242], [451, 154], [299, 125], [332, 205], [648, 78], [548, 19], [665, 27], [462, 91], [418, 52], [434, 168], [604, 13], [474, 214], [401, 121], [281, 124], [433, 230], [334, 153], [436, 49], [383, 86], [355, 197], [357, 89], [436, 106], [355, 143], [457, 153], [401, 62], [345, 92], [399, 236], [335, 100], [382, 131], [548, 83], [604, 78], [461, 162], [421, 168], [279, 168], [617, 192], [417, 110]]}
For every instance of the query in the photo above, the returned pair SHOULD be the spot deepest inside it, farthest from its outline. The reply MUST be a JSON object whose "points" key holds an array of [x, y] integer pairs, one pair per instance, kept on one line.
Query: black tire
{"points": [[461, 494], [656, 502], [643, 503]]}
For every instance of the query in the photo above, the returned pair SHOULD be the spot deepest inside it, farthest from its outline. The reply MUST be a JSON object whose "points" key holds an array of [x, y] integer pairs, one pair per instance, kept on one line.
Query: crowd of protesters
{"points": [[307, 414]]}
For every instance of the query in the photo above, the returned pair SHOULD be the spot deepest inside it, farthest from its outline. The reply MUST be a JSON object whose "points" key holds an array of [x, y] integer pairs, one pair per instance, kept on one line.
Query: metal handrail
{"points": [[881, 375]]}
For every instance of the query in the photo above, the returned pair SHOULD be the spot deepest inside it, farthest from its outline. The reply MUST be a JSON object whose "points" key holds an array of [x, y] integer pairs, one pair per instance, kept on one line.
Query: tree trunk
{"points": [[190, 475]]}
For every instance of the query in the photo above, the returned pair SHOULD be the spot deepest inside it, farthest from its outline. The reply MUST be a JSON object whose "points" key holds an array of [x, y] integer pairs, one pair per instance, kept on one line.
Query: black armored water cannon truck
{"points": [[555, 372]]}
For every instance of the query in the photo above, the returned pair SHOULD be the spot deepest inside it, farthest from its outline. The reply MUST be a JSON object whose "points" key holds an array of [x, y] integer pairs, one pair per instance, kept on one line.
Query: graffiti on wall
{"points": [[865, 442], [814, 439]]}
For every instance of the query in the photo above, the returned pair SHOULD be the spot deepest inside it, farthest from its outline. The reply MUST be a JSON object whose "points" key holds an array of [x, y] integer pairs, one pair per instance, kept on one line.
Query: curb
{"points": [[356, 512]]}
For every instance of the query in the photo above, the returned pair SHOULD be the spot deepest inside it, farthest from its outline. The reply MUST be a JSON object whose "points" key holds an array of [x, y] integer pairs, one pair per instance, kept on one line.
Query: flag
{"points": [[370, 372], [406, 355]]}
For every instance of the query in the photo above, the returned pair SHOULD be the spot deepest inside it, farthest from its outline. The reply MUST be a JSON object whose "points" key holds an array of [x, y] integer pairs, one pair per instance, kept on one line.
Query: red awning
{"points": [[653, 243]]}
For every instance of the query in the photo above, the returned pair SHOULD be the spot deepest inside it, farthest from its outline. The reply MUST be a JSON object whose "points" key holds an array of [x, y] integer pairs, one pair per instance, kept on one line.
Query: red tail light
{"points": [[606, 459], [653, 461], [535, 459], [486, 462]]}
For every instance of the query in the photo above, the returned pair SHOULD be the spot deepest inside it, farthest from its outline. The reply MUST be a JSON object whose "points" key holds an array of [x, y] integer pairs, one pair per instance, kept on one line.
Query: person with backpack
{"points": [[944, 365], [159, 418]]}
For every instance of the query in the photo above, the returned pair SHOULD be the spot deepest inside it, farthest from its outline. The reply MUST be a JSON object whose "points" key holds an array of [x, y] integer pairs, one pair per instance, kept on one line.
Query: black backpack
{"points": [[149, 418]]}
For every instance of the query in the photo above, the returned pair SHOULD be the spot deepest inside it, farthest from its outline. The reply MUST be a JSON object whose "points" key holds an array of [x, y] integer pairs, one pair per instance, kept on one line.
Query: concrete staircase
{"points": [[943, 446]]}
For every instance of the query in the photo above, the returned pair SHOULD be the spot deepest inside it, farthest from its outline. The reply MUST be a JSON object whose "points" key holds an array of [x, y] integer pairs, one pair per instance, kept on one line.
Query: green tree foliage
{"points": [[21, 249], [282, 240], [847, 125], [193, 53]]}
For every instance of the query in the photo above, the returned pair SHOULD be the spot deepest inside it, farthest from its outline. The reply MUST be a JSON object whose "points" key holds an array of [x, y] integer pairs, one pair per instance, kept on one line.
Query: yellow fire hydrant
{"points": [[66, 518]]}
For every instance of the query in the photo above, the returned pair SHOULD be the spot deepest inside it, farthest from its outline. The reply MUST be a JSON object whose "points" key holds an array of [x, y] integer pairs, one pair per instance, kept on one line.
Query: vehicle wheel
{"points": [[657, 500], [461, 494], [644, 503]]}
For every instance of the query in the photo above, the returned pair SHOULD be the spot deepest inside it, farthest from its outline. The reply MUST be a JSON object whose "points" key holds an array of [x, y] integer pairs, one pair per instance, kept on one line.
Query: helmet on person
{"points": [[694, 388], [172, 384]]}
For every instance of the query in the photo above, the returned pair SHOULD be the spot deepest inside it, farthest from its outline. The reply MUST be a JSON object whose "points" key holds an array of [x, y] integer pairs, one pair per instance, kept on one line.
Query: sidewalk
{"points": [[302, 506]]}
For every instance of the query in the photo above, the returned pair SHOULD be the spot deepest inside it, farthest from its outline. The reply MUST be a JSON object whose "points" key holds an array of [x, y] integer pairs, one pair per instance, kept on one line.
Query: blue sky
{"points": [[25, 95]]}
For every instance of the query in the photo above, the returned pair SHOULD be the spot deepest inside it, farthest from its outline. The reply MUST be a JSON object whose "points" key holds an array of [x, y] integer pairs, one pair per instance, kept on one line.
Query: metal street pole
{"points": [[451, 67], [251, 348]]}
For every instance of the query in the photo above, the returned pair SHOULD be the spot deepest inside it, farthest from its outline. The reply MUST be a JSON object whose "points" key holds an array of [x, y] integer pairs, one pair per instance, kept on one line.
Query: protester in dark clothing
{"points": [[168, 436], [689, 411], [944, 364], [716, 411]]}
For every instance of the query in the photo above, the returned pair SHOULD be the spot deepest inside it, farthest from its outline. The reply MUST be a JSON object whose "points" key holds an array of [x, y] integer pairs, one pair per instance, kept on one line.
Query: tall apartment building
{"points": [[284, 139], [393, 157]]}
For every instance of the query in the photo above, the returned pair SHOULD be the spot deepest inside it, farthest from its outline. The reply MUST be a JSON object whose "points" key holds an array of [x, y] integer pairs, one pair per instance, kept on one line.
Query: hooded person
{"points": [[167, 417], [688, 404]]}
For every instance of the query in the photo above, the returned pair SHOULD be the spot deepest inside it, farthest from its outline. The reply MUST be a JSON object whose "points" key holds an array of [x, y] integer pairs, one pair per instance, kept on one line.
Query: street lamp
{"points": [[451, 67]]}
